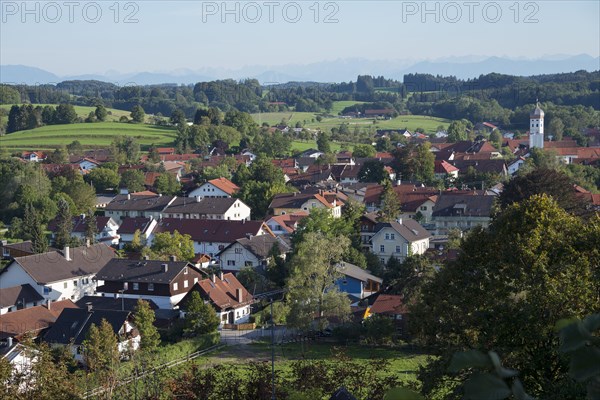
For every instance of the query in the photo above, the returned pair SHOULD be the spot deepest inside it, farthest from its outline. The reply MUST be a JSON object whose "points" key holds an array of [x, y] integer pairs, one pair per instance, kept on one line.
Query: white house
{"points": [[286, 224], [219, 187], [130, 225], [251, 252], [399, 239], [106, 229], [211, 236], [207, 208], [19, 297], [227, 295], [86, 164], [163, 282], [59, 275], [134, 205]]}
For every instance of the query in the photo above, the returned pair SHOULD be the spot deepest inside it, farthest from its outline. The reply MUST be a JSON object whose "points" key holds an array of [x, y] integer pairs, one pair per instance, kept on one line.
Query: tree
{"points": [[542, 181], [75, 148], [408, 278], [137, 114], [101, 354], [311, 285], [457, 131], [424, 163], [65, 114], [178, 118], [373, 171], [91, 228], [323, 142], [64, 225], [133, 180], [58, 156], [178, 245], [200, 317], [100, 113], [363, 151], [33, 230], [144, 321], [166, 183], [509, 286], [103, 179], [556, 128], [390, 204]]}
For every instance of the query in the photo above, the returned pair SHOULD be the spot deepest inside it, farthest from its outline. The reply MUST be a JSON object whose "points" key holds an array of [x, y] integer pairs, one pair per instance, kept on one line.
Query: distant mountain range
{"points": [[342, 70]]}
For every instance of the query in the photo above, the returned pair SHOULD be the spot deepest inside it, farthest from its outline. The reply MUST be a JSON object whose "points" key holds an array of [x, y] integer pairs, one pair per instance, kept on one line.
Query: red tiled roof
{"points": [[223, 293], [444, 167], [212, 230], [33, 319], [390, 304], [225, 185]]}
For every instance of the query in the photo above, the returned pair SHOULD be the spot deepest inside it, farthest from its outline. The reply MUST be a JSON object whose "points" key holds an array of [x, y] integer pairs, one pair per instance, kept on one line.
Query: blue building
{"points": [[356, 281]]}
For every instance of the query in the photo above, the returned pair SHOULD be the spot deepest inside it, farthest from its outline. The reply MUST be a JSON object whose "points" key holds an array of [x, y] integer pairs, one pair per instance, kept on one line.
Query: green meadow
{"points": [[98, 134]]}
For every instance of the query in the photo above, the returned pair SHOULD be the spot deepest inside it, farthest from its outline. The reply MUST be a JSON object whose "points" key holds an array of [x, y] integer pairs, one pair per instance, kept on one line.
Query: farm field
{"points": [[302, 145], [83, 111], [99, 134], [410, 122]]}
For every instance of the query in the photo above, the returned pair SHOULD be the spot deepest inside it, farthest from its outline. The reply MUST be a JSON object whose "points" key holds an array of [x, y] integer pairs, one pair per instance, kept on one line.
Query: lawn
{"points": [[274, 118], [99, 134], [404, 361], [301, 145]]}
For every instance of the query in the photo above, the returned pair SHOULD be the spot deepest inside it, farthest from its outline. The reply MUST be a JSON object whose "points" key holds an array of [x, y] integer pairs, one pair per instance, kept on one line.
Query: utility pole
{"points": [[272, 351]]}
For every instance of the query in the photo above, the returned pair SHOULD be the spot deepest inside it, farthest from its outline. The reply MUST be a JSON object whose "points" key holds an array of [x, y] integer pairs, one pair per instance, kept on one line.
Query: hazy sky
{"points": [[77, 37]]}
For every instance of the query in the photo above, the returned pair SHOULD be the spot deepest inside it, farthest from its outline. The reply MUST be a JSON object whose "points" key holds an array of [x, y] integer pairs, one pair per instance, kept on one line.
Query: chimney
{"points": [[172, 258], [87, 242], [48, 304], [9, 341], [160, 195], [400, 221], [164, 267], [248, 235], [213, 278], [128, 196], [146, 257], [67, 253], [238, 295], [88, 306], [198, 199], [221, 275]]}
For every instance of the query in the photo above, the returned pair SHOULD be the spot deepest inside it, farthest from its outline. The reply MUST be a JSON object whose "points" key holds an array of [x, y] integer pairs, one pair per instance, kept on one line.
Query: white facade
{"points": [[237, 212], [208, 190], [388, 242], [73, 289], [87, 165], [240, 315], [536, 129], [108, 234], [237, 257]]}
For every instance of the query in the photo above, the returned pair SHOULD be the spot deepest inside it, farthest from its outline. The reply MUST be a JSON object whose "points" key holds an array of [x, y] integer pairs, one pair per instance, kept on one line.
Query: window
{"points": [[382, 248], [423, 208], [75, 283], [230, 263], [175, 286], [195, 280], [65, 285], [125, 286], [398, 250], [382, 260], [185, 283], [47, 290], [185, 270], [136, 286], [151, 287], [387, 236], [248, 264], [392, 236], [238, 250]]}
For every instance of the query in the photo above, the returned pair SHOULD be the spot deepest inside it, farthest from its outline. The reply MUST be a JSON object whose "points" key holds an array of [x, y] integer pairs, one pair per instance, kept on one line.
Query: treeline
{"points": [[27, 116]]}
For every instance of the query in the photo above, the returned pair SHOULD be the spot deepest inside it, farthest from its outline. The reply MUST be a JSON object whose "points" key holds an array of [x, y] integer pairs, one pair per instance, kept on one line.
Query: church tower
{"points": [[536, 127]]}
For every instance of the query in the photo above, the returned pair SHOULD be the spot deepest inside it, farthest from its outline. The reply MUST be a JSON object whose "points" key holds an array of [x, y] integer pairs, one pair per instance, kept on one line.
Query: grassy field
{"points": [[404, 362], [83, 111], [91, 135], [410, 122], [301, 145], [338, 106]]}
